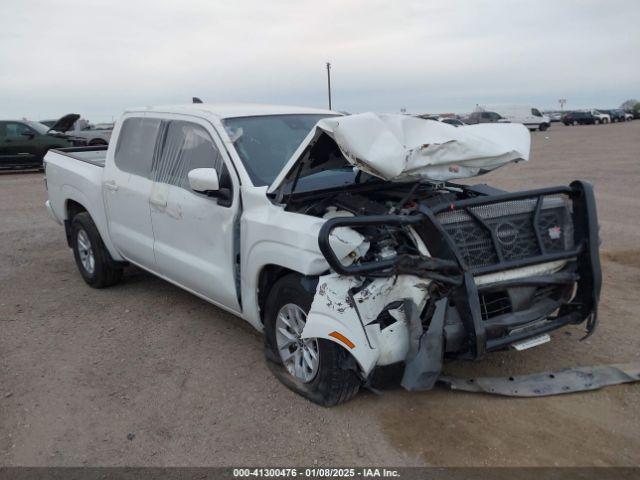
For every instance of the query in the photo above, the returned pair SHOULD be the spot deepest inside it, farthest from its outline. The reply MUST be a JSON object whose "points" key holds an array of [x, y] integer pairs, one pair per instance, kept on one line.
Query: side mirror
{"points": [[204, 180]]}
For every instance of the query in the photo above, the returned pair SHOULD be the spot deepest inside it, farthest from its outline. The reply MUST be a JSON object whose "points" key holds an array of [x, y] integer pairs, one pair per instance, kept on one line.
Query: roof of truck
{"points": [[230, 110]]}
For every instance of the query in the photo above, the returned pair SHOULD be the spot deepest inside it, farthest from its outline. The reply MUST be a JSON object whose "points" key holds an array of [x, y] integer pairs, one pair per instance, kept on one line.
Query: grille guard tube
{"points": [[444, 271]]}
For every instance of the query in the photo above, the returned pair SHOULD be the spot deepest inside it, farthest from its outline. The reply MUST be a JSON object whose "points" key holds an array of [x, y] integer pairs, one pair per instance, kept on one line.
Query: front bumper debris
{"points": [[570, 380]]}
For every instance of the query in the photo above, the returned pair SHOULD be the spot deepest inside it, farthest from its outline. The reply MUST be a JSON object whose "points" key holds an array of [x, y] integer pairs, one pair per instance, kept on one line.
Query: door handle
{"points": [[158, 202], [110, 185]]}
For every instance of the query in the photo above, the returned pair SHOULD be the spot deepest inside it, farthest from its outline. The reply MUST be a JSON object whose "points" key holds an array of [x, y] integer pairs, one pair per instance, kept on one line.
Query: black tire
{"points": [[336, 380], [106, 272], [96, 142], [543, 127]]}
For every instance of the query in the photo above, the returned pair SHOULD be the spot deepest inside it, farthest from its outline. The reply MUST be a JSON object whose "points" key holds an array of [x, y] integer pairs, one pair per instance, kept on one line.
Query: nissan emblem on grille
{"points": [[554, 233], [506, 233]]}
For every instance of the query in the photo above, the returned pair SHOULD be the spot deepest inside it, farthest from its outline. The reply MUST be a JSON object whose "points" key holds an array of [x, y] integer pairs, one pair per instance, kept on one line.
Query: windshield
{"points": [[265, 143], [38, 127]]}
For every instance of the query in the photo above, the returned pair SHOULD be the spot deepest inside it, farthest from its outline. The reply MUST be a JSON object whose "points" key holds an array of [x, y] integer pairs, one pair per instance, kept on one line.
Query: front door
{"points": [[194, 233], [18, 144], [126, 187]]}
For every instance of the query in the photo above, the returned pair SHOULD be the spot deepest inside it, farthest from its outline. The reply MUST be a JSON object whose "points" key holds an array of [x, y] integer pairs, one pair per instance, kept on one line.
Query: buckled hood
{"points": [[404, 148], [64, 123]]}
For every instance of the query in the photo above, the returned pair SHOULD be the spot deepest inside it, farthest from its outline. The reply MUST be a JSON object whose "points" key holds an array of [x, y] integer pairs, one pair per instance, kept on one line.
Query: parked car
{"points": [[527, 115], [628, 116], [617, 115], [452, 121], [73, 125], [24, 143], [600, 117], [579, 118], [484, 117], [555, 116], [614, 114], [337, 236]]}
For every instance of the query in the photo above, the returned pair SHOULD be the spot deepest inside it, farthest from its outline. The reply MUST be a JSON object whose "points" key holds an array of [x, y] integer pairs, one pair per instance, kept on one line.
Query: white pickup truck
{"points": [[341, 237]]}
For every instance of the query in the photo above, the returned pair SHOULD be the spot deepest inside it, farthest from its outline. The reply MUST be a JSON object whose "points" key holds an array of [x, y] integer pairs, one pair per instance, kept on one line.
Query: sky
{"points": [[98, 58]]}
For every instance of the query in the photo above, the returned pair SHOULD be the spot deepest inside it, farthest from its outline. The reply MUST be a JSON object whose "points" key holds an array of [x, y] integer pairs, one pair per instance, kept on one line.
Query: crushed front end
{"points": [[486, 270]]}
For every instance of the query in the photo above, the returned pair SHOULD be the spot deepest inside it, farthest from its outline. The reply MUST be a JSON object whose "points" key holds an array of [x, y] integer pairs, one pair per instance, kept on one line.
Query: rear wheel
{"points": [[96, 266], [317, 369]]}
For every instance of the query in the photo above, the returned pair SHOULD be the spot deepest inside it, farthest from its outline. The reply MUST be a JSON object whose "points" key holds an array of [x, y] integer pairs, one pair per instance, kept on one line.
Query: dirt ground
{"points": [[146, 374]]}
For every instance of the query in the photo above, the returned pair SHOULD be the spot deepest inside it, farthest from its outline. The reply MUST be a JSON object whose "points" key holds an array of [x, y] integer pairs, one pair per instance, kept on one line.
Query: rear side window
{"points": [[186, 146], [136, 144]]}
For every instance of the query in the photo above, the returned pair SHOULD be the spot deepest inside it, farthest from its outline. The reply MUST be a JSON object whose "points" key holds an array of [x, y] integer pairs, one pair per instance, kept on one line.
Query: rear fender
{"points": [[95, 208]]}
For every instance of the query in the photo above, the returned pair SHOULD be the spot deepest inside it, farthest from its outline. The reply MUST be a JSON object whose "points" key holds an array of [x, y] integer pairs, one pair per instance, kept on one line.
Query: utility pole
{"points": [[329, 83], [562, 103]]}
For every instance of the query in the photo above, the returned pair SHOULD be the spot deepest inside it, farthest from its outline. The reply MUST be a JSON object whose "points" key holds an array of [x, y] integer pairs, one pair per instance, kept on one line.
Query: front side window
{"points": [[17, 130], [265, 143], [535, 112], [136, 145], [185, 146]]}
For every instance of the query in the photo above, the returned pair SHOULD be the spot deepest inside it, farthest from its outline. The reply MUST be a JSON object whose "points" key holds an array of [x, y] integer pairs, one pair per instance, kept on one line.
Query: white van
{"points": [[531, 117]]}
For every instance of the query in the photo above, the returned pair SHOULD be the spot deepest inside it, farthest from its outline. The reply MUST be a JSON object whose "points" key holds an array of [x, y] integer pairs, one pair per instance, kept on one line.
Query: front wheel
{"points": [[96, 266], [318, 369], [543, 127]]}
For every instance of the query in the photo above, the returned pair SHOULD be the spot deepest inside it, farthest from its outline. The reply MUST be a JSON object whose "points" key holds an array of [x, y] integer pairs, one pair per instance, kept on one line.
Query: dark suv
{"points": [[578, 118], [24, 143]]}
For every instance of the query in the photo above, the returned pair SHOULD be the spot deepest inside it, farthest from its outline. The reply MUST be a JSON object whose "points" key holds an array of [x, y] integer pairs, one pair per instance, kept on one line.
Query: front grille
{"points": [[497, 303], [490, 234], [494, 304]]}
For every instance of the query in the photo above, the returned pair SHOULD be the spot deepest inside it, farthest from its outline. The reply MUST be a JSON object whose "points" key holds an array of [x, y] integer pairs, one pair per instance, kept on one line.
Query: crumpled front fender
{"points": [[321, 325], [344, 311]]}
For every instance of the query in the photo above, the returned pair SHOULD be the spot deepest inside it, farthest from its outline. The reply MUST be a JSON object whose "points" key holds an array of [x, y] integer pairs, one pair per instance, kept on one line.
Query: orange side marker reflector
{"points": [[343, 339]]}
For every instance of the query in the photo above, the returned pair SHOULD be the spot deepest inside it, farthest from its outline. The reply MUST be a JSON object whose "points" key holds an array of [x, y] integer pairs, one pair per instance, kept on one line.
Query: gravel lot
{"points": [[146, 374]]}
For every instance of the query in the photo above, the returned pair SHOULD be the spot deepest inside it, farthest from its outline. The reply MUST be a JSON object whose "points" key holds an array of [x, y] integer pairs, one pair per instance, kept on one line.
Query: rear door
{"points": [[126, 188], [194, 233]]}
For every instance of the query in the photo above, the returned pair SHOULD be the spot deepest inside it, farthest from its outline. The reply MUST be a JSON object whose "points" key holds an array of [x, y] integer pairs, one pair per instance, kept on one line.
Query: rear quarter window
{"points": [[136, 145]]}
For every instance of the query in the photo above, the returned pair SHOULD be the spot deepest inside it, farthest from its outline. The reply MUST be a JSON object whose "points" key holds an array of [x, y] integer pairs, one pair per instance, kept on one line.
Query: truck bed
{"points": [[94, 155]]}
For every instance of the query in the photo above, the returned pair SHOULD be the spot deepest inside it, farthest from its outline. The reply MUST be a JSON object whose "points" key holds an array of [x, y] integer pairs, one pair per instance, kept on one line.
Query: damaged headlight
{"points": [[390, 248]]}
